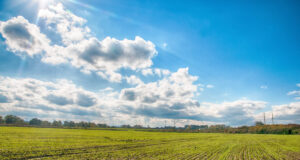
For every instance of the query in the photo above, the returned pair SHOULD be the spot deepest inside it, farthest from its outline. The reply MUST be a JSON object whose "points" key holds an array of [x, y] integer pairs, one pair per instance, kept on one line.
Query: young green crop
{"points": [[52, 143]]}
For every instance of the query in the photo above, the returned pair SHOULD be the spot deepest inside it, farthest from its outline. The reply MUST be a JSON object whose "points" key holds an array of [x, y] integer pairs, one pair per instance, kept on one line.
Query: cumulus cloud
{"points": [[111, 54], [159, 101], [156, 71], [287, 113], [111, 76], [161, 72], [237, 112], [133, 80], [59, 100], [87, 53], [170, 97], [86, 99], [3, 99], [22, 36], [31, 97], [70, 27], [77, 46], [147, 71]]}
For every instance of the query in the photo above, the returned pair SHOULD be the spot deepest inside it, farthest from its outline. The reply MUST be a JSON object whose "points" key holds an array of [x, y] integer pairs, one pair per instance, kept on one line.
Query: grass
{"points": [[52, 143]]}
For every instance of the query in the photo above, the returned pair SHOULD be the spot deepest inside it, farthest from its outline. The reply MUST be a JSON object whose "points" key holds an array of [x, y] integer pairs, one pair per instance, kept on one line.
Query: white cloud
{"points": [[165, 72], [111, 76], [22, 36], [35, 98], [157, 71], [239, 112], [147, 71], [111, 54], [170, 97], [210, 86], [69, 26], [164, 45], [295, 93], [286, 113], [64, 100], [77, 47], [264, 87], [133, 80], [90, 54]]}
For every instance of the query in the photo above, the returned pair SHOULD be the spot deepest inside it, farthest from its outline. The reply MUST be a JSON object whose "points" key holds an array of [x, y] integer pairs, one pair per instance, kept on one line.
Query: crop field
{"points": [[52, 143]]}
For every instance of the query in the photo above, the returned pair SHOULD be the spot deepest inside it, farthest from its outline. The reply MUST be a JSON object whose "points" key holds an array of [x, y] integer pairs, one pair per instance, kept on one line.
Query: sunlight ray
{"points": [[83, 5], [21, 66]]}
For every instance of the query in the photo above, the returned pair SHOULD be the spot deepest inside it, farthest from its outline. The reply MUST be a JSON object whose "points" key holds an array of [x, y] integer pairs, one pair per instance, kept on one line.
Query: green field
{"points": [[51, 143]]}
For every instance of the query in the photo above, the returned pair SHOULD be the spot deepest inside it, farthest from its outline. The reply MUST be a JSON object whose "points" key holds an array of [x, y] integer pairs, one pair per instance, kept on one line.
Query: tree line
{"points": [[258, 128], [17, 121]]}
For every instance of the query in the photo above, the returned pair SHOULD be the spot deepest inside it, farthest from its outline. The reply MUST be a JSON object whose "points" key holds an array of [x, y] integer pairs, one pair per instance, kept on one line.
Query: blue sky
{"points": [[242, 53]]}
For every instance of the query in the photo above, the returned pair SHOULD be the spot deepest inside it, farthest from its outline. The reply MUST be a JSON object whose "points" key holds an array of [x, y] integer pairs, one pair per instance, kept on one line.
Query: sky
{"points": [[150, 62]]}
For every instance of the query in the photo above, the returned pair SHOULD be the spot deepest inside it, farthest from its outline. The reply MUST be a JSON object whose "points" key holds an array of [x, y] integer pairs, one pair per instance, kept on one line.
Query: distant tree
{"points": [[102, 125], [92, 125], [66, 124], [259, 123], [57, 123], [35, 122], [72, 124], [46, 123], [82, 124], [11, 119], [138, 126], [1, 120], [218, 126], [125, 126], [188, 127], [69, 124]]}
